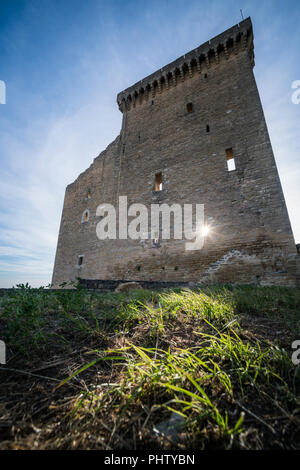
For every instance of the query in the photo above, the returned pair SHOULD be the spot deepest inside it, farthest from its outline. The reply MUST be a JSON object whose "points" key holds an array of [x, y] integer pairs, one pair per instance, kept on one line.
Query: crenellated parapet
{"points": [[198, 61]]}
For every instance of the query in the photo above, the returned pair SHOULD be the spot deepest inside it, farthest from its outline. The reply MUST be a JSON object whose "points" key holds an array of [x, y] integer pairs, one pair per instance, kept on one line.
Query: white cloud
{"points": [[32, 195]]}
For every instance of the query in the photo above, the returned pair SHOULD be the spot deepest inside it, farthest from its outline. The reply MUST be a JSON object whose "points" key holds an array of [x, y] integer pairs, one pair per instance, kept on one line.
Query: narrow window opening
{"points": [[207, 128], [230, 160], [205, 75], [158, 182], [155, 241], [152, 102], [85, 216], [123, 149], [89, 194], [189, 107], [80, 260]]}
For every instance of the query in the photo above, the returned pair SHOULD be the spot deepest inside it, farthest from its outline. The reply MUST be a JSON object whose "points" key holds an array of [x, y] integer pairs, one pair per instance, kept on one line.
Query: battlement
{"points": [[197, 61]]}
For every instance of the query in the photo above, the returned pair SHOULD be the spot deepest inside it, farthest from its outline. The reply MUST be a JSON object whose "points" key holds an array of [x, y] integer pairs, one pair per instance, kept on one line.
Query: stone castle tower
{"points": [[192, 132]]}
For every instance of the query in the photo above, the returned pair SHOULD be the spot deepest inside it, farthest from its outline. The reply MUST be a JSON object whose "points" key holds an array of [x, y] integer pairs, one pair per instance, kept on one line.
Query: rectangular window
{"points": [[80, 260], [189, 107], [158, 182], [230, 160]]}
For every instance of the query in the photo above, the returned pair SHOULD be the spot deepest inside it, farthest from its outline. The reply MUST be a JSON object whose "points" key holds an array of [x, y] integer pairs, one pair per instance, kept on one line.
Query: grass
{"points": [[116, 371]]}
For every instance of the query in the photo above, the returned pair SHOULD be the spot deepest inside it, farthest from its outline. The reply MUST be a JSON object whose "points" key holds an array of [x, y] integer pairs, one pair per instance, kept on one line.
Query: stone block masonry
{"points": [[192, 132]]}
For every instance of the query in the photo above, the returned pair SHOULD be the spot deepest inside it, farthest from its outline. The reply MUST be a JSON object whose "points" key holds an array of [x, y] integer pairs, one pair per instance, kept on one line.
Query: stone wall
{"points": [[250, 239]]}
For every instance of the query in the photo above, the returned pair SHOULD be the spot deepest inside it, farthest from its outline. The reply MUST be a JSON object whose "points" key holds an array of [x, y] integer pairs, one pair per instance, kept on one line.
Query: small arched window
{"points": [[85, 216]]}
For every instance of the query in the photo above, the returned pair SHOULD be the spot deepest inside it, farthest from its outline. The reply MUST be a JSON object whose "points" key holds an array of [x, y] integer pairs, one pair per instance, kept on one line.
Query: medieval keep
{"points": [[192, 132]]}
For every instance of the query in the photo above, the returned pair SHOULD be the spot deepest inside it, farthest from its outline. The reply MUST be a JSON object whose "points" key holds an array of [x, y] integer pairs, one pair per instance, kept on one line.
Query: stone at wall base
{"points": [[128, 286]]}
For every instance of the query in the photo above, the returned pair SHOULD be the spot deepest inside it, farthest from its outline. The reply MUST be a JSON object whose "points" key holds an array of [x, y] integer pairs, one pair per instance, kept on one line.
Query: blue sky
{"points": [[64, 61]]}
